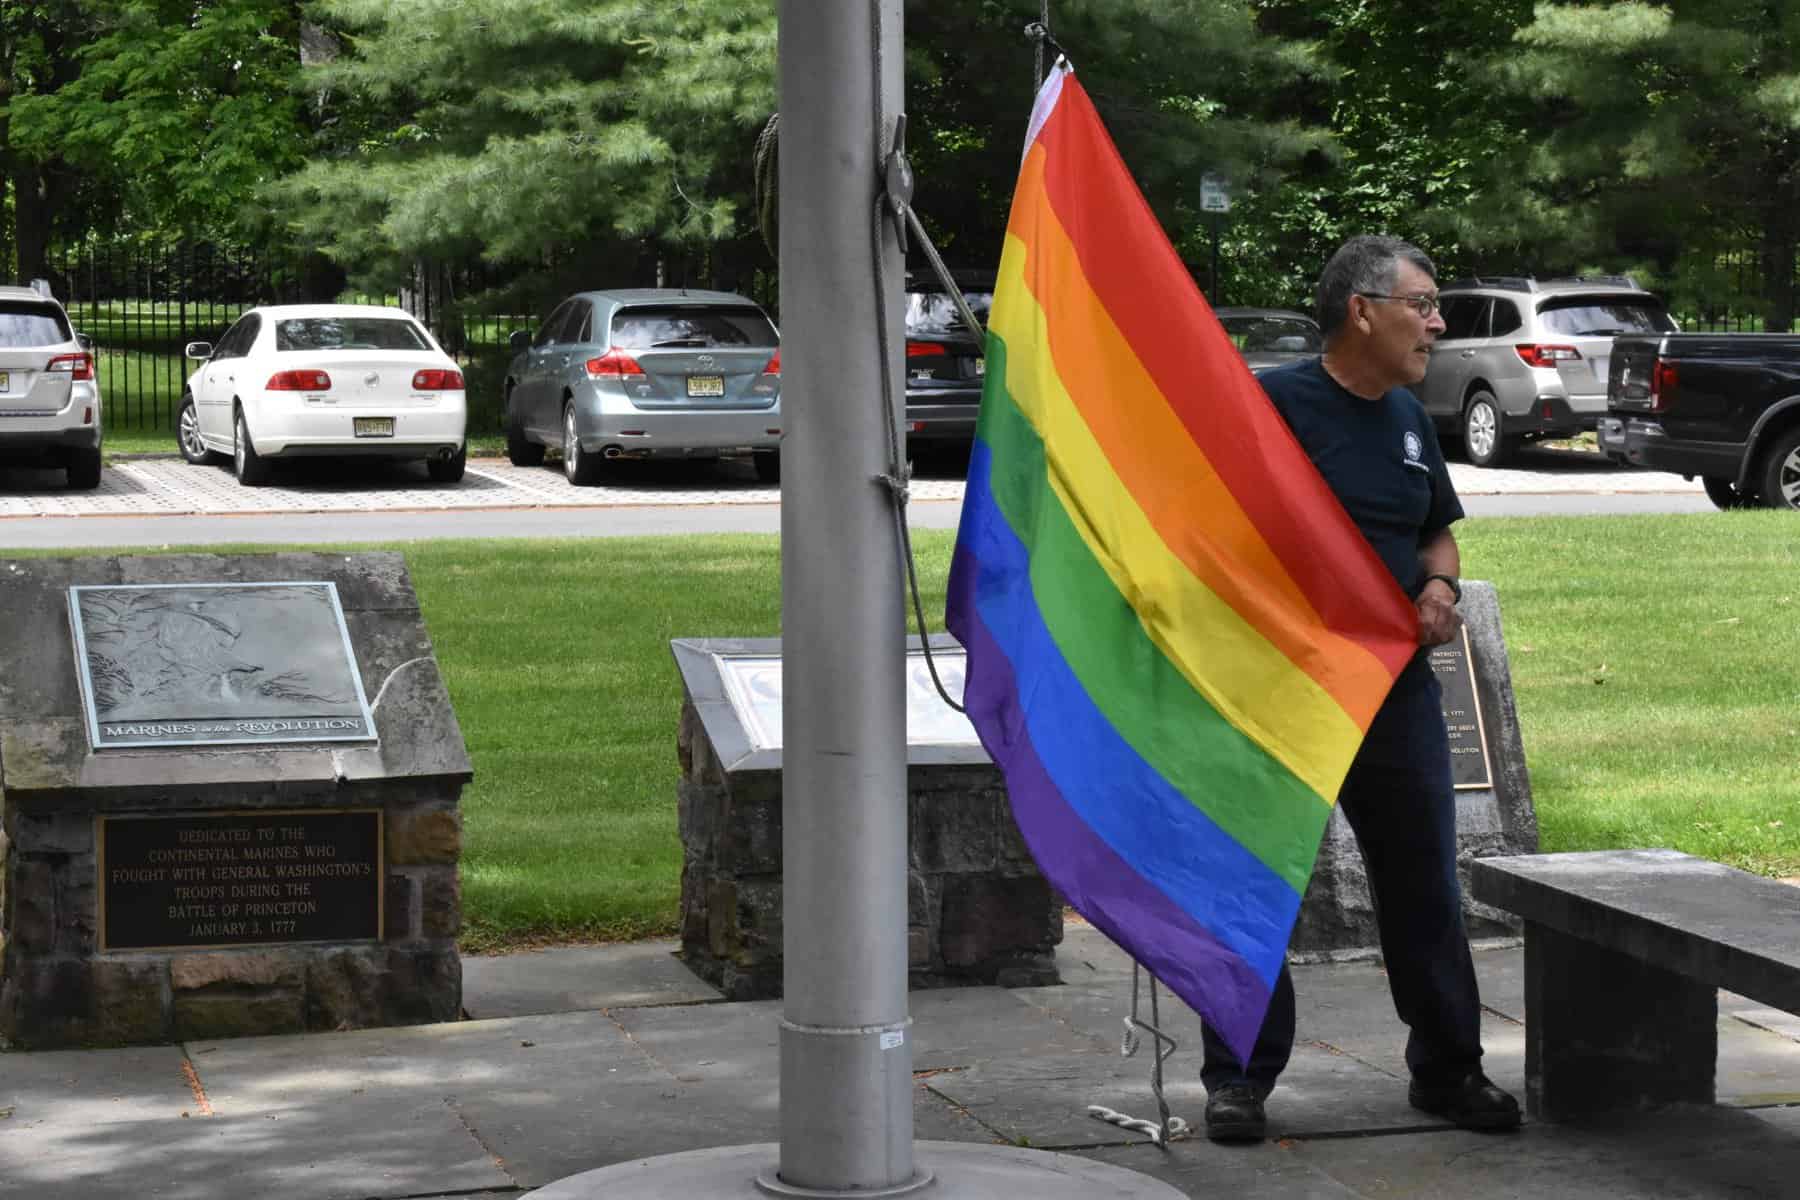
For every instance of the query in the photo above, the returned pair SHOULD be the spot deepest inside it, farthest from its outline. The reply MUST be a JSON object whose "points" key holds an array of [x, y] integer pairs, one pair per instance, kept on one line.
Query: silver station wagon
{"points": [[646, 373], [49, 393], [1522, 359]]}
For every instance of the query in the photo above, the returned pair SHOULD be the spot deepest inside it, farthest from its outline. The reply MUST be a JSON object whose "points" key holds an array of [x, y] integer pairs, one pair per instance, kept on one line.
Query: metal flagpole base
{"points": [[943, 1171]]}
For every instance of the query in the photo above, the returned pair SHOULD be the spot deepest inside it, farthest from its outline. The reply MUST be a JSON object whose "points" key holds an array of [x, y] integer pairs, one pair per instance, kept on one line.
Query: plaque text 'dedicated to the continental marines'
{"points": [[230, 879]]}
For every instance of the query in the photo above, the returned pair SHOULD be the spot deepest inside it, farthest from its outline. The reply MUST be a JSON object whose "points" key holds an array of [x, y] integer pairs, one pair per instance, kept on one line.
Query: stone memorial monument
{"points": [[978, 910], [229, 800], [1494, 812]]}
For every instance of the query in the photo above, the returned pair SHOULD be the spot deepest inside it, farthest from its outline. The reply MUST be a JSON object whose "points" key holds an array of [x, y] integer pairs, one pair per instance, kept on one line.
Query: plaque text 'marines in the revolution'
{"points": [[203, 663]]}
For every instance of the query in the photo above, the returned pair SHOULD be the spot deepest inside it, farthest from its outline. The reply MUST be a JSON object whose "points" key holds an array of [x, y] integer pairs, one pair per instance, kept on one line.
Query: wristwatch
{"points": [[1455, 587]]}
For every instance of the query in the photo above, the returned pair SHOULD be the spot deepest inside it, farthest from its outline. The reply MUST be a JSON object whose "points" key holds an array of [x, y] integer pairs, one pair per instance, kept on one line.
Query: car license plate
{"points": [[706, 385], [981, 366], [374, 426]]}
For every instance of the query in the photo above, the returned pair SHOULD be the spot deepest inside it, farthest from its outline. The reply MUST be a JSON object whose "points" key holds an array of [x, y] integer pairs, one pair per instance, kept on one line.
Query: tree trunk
{"points": [[34, 203]]}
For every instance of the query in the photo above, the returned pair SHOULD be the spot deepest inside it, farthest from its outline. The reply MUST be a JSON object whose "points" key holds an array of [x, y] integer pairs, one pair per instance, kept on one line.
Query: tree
{"points": [[179, 109], [1664, 135], [610, 132], [39, 40], [1185, 87]]}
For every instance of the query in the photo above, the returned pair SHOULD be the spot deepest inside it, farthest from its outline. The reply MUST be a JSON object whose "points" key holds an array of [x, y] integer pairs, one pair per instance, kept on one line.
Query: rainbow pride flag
{"points": [[1176, 637]]}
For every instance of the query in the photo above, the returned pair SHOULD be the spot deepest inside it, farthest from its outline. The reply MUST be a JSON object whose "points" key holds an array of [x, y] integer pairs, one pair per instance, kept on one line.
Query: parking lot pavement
{"points": [[158, 486], [1538, 469], [168, 486]]}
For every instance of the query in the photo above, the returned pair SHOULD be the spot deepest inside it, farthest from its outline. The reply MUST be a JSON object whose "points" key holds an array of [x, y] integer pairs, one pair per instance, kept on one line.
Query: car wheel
{"points": [[187, 433], [581, 468], [768, 465], [83, 469], [1781, 472], [448, 470], [252, 468], [1482, 439], [1724, 493], [521, 451]]}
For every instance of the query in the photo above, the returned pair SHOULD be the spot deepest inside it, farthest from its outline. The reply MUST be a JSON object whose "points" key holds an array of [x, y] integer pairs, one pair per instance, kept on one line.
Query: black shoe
{"points": [[1472, 1103], [1234, 1113]]}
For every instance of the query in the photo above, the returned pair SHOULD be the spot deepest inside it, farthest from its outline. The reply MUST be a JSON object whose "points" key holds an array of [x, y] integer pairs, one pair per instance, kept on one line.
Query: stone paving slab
{"points": [[952, 1028], [578, 978], [125, 1124], [1677, 1154]]}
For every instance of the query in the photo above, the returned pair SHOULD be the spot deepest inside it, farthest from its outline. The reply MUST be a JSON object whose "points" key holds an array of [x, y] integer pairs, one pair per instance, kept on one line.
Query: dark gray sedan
{"points": [[646, 373], [1269, 337]]}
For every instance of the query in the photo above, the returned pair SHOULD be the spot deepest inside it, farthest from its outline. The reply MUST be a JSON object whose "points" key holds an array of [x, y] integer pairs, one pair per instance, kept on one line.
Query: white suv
{"points": [[49, 396], [1522, 359]]}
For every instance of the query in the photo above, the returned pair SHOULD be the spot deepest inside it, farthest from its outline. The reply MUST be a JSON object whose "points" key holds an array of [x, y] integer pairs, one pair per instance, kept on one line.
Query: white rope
{"points": [[1169, 1128], [1178, 1128]]}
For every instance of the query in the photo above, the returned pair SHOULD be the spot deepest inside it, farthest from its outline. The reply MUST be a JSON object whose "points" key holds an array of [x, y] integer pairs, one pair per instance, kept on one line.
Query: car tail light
{"points": [[1663, 381], [79, 366], [614, 363], [926, 350], [434, 380], [299, 381], [773, 367], [1536, 355]]}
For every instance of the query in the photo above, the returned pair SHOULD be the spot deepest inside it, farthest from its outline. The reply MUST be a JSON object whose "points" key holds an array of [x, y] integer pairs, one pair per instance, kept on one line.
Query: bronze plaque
{"points": [[1450, 662], [232, 879], [216, 663]]}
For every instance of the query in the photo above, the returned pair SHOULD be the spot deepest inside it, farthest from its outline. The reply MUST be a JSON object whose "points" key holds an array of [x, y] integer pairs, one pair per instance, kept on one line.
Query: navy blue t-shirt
{"points": [[1380, 457]]}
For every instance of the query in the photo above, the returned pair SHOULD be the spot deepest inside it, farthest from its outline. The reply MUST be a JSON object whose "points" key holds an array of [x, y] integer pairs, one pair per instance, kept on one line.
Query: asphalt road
{"points": [[156, 502]]}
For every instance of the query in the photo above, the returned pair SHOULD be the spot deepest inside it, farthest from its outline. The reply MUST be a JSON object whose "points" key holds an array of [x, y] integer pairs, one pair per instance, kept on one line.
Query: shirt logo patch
{"points": [[1413, 446]]}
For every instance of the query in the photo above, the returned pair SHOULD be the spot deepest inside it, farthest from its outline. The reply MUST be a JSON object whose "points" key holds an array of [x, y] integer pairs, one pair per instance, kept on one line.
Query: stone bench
{"points": [[1625, 951]]}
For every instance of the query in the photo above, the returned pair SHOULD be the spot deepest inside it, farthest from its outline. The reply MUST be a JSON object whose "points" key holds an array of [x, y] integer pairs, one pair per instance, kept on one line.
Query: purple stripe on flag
{"points": [[1213, 980]]}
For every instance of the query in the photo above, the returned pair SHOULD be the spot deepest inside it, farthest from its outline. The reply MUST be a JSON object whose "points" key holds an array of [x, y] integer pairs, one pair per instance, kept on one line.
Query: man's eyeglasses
{"points": [[1423, 305]]}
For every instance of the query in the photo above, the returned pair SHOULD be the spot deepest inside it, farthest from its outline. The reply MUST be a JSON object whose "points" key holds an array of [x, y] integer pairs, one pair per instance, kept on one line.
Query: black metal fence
{"points": [[141, 305]]}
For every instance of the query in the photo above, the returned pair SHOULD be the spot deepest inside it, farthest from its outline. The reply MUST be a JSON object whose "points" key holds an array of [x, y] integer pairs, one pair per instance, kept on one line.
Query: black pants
{"points": [[1401, 805]]}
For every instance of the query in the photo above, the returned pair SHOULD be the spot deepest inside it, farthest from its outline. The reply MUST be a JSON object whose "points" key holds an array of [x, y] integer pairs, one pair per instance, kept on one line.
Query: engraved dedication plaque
{"points": [[1450, 662], [216, 663], [231, 879]]}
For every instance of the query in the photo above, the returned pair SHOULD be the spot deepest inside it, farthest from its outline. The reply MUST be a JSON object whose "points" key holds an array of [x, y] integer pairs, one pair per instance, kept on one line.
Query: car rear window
{"points": [[1273, 334], [677, 327], [936, 312], [348, 333], [1589, 316], [26, 324]]}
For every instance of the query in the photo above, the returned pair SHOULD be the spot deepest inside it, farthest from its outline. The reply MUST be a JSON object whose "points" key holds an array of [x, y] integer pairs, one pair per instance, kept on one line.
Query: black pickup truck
{"points": [[1723, 406]]}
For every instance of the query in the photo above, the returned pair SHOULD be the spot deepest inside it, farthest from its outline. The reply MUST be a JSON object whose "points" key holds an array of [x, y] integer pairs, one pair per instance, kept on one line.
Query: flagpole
{"points": [[846, 1046]]}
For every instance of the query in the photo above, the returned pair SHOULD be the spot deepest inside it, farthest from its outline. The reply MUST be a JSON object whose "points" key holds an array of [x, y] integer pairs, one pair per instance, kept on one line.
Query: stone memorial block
{"points": [[1494, 811], [978, 911], [229, 800]]}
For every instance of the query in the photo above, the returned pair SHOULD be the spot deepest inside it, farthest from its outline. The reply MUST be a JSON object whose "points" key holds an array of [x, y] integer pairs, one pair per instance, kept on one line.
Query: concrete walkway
{"points": [[146, 486], [577, 1058]]}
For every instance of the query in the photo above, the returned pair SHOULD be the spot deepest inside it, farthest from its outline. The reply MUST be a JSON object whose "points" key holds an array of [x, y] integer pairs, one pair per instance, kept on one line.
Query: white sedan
{"points": [[324, 379]]}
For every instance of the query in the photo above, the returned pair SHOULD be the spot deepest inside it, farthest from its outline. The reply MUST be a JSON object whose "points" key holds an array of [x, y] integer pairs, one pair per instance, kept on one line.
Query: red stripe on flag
{"points": [[1151, 297]]}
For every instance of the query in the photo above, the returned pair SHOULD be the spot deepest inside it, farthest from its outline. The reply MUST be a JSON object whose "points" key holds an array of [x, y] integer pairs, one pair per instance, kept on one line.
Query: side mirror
{"points": [[520, 339], [199, 350], [87, 343]]}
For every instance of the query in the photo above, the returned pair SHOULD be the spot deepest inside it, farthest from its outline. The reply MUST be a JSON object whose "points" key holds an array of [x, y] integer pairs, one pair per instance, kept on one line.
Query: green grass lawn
{"points": [[1655, 660]]}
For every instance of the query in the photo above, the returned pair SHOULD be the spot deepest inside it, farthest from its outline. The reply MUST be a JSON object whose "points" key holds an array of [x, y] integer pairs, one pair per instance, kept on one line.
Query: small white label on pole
{"points": [[893, 1041], [1214, 196]]}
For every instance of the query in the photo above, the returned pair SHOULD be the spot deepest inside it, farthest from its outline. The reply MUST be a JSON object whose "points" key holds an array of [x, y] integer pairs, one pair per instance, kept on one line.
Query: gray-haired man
{"points": [[1372, 441]]}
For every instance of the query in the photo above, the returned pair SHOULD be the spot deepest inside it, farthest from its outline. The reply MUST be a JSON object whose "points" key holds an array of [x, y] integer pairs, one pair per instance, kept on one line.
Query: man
{"points": [[1371, 440]]}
